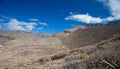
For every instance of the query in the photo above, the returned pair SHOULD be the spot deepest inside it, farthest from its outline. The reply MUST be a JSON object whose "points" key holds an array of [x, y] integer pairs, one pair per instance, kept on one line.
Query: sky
{"points": [[52, 16]]}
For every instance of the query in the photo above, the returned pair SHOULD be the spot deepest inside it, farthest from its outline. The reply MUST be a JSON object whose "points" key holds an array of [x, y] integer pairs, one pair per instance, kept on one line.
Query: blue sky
{"points": [[53, 16]]}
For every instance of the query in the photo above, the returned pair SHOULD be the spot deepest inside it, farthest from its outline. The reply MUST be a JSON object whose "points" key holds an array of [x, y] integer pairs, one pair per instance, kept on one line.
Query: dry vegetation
{"points": [[89, 36], [90, 57], [88, 48]]}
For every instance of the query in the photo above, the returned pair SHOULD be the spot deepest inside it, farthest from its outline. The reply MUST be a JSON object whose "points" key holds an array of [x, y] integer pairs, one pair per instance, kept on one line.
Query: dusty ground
{"points": [[80, 48], [28, 49]]}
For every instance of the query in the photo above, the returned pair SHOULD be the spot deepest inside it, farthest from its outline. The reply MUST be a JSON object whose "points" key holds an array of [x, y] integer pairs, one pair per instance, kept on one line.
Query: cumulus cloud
{"points": [[86, 18], [110, 18], [8, 23], [114, 7], [14, 24], [43, 23], [34, 19]]}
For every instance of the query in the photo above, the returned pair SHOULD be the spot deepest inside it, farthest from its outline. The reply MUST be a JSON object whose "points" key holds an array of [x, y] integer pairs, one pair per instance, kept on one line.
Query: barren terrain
{"points": [[78, 48]]}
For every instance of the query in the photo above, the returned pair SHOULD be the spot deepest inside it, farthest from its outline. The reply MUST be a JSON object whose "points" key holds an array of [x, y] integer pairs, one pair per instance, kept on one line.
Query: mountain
{"points": [[82, 47], [67, 32], [96, 47], [116, 22], [20, 47], [90, 35]]}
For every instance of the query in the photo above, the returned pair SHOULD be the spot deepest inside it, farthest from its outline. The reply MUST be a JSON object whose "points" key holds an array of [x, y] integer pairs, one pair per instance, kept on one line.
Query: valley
{"points": [[75, 48]]}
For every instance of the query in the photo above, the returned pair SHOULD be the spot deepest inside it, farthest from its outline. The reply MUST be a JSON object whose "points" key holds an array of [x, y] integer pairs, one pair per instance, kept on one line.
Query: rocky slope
{"points": [[90, 35], [82, 47], [26, 47]]}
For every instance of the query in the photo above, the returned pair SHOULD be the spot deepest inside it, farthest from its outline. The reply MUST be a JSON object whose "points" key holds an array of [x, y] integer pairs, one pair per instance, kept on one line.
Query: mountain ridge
{"points": [[82, 47]]}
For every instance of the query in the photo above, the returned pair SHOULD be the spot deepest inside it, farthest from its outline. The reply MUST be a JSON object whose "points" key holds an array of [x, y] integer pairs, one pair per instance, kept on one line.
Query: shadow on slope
{"points": [[90, 35]]}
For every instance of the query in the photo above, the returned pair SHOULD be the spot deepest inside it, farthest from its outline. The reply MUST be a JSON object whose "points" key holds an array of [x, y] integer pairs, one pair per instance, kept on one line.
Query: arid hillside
{"points": [[90, 35], [95, 47], [19, 47]]}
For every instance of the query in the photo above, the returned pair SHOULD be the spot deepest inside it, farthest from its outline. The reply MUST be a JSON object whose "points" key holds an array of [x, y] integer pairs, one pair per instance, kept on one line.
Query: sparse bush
{"points": [[104, 57], [58, 56], [109, 58], [43, 60]]}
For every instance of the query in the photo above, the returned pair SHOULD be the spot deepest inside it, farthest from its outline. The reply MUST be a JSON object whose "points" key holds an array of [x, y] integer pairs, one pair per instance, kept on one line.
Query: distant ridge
{"points": [[116, 22]]}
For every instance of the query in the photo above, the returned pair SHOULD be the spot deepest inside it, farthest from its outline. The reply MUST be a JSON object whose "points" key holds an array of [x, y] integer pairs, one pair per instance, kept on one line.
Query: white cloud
{"points": [[114, 7], [108, 19], [14, 24], [84, 18], [34, 19], [42, 23], [40, 28]]}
